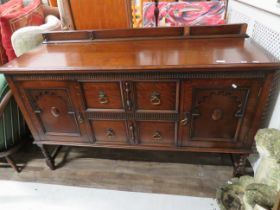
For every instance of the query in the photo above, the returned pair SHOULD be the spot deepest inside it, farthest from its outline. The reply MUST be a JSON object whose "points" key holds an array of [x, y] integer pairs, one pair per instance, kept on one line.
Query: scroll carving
{"points": [[35, 95], [239, 96], [128, 98], [132, 133]]}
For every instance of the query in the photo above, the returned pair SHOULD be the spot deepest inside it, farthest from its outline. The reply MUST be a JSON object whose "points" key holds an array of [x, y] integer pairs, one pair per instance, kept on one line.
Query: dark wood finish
{"points": [[102, 95], [5, 101], [12, 163], [56, 114], [49, 160], [233, 29], [229, 30], [127, 89], [7, 154], [50, 157], [156, 96], [156, 133], [156, 12], [239, 163], [273, 96], [94, 14], [215, 103], [110, 131]]}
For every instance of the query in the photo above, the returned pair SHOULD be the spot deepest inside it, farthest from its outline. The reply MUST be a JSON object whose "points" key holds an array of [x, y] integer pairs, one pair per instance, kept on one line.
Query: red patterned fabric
{"points": [[7, 8], [31, 15], [3, 56], [185, 13]]}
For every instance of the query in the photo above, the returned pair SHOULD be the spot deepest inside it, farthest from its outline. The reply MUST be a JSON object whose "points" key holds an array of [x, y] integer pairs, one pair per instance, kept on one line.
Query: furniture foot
{"points": [[239, 165], [12, 163], [49, 160]]}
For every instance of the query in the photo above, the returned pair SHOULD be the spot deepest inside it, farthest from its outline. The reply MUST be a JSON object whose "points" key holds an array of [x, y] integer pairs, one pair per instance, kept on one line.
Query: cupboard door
{"points": [[56, 109], [216, 113]]}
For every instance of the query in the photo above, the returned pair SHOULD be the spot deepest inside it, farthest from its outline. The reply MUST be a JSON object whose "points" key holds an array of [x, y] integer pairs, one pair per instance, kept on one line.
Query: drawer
{"points": [[102, 95], [156, 133], [156, 95], [110, 131]]}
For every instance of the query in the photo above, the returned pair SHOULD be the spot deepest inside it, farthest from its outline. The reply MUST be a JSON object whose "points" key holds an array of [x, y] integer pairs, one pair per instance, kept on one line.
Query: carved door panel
{"points": [[56, 110], [217, 113]]}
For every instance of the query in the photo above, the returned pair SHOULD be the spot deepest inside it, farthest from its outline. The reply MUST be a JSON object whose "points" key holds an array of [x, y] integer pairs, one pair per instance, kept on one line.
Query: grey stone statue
{"points": [[258, 192]]}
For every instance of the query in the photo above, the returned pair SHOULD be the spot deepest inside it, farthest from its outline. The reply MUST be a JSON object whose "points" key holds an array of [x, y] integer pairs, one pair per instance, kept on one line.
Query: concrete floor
{"points": [[126, 170], [29, 196]]}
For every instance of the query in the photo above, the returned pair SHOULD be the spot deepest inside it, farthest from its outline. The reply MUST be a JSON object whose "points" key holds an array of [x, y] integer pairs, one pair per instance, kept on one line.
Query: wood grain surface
{"points": [[186, 93]]}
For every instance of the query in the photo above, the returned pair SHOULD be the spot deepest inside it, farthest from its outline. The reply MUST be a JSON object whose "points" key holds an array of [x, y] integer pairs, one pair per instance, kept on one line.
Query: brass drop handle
{"points": [[155, 98], [102, 97], [157, 136], [217, 114], [55, 112], [110, 133], [186, 119]]}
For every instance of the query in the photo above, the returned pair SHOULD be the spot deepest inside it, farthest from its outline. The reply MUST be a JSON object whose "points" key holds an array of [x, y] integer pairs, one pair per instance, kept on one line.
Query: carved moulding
{"points": [[117, 76]]}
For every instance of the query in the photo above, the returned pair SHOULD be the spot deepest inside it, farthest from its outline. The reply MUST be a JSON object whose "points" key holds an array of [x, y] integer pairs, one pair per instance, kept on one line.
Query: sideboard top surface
{"points": [[233, 53]]}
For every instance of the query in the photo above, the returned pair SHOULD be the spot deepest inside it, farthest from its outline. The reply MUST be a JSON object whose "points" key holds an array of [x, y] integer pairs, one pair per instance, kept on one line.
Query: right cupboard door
{"points": [[218, 113]]}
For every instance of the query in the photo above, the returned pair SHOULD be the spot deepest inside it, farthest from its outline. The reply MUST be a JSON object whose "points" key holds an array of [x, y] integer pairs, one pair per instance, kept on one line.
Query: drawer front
{"points": [[156, 96], [102, 95], [109, 131], [156, 133]]}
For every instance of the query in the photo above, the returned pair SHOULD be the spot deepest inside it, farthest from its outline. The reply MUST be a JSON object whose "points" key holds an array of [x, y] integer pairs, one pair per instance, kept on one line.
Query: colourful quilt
{"points": [[184, 13]]}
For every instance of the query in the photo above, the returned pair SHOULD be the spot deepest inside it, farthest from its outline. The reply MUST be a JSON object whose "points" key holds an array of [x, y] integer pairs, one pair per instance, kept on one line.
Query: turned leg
{"points": [[12, 163], [239, 165], [56, 151], [49, 159]]}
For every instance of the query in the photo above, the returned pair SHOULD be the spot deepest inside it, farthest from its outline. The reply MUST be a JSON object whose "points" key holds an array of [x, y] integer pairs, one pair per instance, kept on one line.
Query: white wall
{"points": [[264, 27]]}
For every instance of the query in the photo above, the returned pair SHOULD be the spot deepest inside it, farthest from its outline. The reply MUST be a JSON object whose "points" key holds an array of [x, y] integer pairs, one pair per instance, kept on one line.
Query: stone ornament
{"points": [[258, 192]]}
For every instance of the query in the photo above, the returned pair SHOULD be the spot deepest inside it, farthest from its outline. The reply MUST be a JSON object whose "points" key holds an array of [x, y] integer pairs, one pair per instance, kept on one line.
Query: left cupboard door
{"points": [[56, 110]]}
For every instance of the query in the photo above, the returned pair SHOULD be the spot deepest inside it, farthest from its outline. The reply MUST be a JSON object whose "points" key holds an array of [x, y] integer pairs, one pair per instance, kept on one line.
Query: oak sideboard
{"points": [[193, 89]]}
